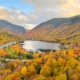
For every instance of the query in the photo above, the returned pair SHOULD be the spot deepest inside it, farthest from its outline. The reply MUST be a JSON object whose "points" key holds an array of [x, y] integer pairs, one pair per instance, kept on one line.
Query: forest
{"points": [[54, 65]]}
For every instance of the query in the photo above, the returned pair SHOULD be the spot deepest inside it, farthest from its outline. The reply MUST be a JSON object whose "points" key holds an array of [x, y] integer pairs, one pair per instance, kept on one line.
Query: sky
{"points": [[29, 13]]}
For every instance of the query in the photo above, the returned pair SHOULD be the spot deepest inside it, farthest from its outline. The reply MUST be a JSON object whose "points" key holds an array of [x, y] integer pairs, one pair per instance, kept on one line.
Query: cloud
{"points": [[43, 10], [59, 6], [15, 16], [47, 9], [71, 8], [3, 13]]}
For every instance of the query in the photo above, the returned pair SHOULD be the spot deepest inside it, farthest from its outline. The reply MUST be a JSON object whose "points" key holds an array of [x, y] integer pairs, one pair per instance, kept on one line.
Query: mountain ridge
{"points": [[57, 29], [10, 27]]}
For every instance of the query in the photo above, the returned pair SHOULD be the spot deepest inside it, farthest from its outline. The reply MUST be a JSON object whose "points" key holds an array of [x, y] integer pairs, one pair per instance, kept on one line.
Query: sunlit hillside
{"points": [[8, 36], [63, 30]]}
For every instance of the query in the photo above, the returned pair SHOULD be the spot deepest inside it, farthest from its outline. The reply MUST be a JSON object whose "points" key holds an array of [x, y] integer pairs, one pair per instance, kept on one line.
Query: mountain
{"points": [[65, 30], [15, 29], [6, 37]]}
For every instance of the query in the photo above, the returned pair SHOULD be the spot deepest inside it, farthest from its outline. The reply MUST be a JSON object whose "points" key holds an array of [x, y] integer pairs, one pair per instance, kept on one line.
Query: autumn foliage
{"points": [[58, 65]]}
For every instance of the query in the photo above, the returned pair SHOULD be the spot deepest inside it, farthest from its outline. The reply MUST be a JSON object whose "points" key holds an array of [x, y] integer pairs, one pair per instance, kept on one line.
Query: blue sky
{"points": [[18, 4], [29, 13]]}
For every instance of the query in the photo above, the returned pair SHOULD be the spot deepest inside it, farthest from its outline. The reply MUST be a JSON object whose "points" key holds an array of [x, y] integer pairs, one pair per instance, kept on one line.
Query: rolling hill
{"points": [[10, 32], [6, 37], [15, 29], [64, 30]]}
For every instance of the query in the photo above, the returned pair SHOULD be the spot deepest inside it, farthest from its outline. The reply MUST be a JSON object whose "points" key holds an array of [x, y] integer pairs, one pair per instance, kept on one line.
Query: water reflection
{"points": [[38, 45]]}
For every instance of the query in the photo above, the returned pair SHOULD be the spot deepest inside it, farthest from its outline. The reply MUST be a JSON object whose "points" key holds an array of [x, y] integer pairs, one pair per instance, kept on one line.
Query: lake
{"points": [[40, 45]]}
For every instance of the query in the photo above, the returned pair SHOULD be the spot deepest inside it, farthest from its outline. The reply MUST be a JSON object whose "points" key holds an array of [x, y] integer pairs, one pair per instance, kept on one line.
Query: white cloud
{"points": [[44, 10], [47, 9], [2, 8], [53, 6], [29, 26], [15, 16]]}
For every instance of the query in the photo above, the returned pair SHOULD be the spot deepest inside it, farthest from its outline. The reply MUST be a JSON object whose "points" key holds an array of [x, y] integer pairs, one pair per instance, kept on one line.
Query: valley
{"points": [[63, 30], [39, 39], [50, 51]]}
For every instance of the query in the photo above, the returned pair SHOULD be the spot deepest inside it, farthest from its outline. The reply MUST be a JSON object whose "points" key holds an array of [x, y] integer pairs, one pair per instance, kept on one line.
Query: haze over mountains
{"points": [[14, 29], [57, 29]]}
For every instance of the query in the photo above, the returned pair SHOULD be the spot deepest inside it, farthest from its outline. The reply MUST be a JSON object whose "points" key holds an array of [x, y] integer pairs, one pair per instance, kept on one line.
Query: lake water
{"points": [[40, 45]]}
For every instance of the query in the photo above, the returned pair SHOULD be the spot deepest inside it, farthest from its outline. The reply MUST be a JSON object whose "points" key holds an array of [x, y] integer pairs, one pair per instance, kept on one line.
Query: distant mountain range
{"points": [[57, 29], [14, 29]]}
